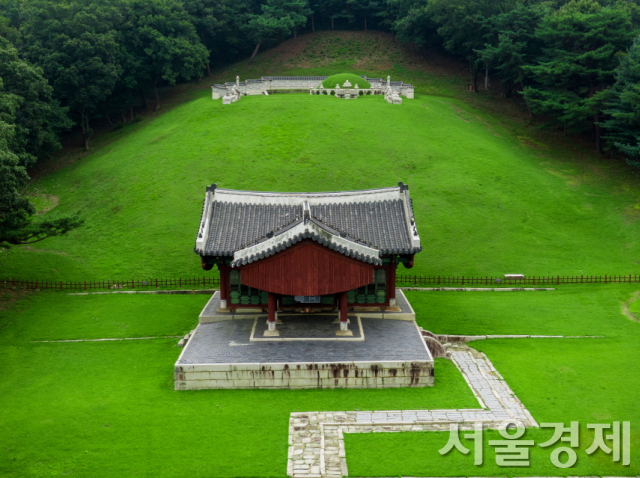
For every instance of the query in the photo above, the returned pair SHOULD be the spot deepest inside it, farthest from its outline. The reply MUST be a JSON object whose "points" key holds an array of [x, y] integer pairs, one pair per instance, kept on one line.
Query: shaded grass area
{"points": [[109, 408], [558, 380], [486, 202]]}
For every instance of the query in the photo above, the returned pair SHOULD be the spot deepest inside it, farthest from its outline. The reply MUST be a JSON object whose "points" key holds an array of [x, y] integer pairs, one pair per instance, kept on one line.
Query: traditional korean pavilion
{"points": [[307, 251]]}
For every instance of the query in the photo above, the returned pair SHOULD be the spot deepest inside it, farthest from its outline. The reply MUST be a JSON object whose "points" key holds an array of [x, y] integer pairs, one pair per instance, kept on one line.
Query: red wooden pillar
{"points": [[271, 310], [344, 321], [391, 281], [224, 285]]}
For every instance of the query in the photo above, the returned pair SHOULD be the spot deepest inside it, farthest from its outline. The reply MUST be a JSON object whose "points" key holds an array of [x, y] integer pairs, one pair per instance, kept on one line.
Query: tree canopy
{"points": [[622, 110], [581, 41], [25, 134]]}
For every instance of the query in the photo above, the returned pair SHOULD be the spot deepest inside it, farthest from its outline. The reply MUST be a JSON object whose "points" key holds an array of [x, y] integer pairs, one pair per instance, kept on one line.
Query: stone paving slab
{"points": [[229, 342], [316, 439]]}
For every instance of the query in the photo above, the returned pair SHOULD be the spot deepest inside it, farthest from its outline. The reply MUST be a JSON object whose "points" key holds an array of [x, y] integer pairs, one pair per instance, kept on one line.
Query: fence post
{"points": [[463, 281], [558, 281]]}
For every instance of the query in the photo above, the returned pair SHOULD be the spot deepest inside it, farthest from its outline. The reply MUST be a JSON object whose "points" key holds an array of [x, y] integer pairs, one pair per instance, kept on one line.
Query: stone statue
{"points": [[347, 84], [237, 80]]}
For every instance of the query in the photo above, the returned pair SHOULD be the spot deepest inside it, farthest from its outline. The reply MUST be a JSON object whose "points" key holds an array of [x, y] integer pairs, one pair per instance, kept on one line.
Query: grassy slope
{"points": [[486, 203], [489, 194], [109, 408]]}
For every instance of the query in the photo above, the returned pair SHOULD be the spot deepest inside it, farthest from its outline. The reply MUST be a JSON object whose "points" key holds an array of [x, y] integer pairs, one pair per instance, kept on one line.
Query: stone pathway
{"points": [[316, 439]]}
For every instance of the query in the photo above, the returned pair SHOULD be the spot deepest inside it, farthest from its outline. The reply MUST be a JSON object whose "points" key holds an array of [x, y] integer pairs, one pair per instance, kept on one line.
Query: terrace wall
{"points": [[304, 375]]}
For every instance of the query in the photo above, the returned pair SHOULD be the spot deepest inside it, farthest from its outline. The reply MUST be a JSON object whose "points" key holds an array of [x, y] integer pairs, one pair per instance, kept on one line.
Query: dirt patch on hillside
{"points": [[625, 307], [285, 51], [52, 201], [9, 296]]}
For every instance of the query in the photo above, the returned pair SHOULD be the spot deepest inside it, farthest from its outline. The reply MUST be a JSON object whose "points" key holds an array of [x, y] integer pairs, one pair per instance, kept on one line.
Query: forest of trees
{"points": [[66, 64]]}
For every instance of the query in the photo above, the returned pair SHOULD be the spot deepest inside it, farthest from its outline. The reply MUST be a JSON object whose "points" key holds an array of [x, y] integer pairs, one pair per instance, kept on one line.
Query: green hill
{"points": [[342, 78], [488, 198]]}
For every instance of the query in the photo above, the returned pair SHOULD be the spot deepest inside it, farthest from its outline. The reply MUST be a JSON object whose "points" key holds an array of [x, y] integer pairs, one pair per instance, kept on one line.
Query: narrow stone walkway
{"points": [[316, 439]]}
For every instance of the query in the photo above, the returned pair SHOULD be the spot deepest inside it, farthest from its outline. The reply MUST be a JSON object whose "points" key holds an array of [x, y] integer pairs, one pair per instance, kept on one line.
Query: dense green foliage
{"points": [[581, 42], [29, 122], [623, 107], [341, 78]]}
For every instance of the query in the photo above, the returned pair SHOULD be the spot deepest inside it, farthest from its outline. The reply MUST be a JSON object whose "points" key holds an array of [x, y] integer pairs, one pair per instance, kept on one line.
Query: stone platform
{"points": [[212, 313], [307, 354]]}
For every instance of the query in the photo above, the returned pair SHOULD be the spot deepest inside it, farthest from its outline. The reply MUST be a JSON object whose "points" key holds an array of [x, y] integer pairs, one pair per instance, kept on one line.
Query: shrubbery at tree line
{"points": [[69, 63]]}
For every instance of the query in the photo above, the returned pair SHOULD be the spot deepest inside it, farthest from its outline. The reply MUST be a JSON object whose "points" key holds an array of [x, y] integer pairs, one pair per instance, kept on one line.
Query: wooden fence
{"points": [[194, 282], [419, 281], [401, 280]]}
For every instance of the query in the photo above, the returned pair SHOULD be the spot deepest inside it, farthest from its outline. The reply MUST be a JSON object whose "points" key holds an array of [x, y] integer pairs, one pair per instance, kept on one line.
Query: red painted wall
{"points": [[307, 268]]}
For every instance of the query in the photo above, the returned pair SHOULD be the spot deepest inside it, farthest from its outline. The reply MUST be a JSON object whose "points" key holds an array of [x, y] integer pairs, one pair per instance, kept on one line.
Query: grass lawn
{"points": [[558, 380], [109, 409]]}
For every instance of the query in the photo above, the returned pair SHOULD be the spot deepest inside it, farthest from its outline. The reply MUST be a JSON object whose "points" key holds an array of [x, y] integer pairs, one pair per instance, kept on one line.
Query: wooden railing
{"points": [[431, 281], [181, 282], [402, 280]]}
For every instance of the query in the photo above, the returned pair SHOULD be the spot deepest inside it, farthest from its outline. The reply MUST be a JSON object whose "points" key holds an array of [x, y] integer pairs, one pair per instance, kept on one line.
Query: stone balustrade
{"points": [[266, 84], [341, 92]]}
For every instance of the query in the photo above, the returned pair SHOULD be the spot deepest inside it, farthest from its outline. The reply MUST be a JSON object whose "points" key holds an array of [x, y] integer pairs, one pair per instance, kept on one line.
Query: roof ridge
{"points": [[281, 242]]}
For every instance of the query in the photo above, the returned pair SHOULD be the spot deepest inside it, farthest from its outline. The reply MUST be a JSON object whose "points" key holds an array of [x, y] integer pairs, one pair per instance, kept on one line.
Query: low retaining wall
{"points": [[274, 83], [304, 375]]}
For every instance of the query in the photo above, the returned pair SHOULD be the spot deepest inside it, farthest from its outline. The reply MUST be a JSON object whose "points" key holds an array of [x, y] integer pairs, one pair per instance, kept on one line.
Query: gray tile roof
{"points": [[349, 221], [307, 229], [236, 226]]}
